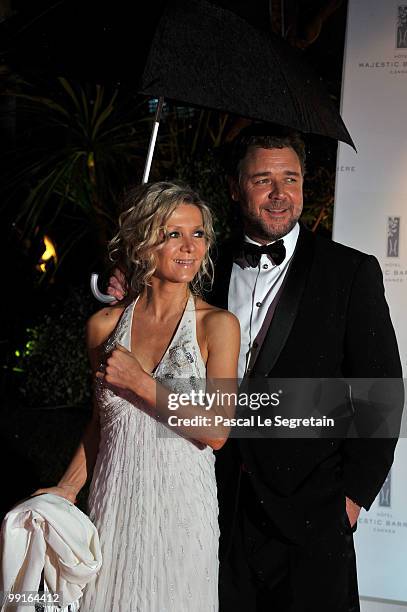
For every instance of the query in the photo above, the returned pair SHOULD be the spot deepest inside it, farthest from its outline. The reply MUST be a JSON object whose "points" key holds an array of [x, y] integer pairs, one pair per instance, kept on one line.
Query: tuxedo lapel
{"points": [[223, 270], [287, 307]]}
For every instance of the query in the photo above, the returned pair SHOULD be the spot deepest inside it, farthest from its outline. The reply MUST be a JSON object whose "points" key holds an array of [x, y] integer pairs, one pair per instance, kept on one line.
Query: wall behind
{"points": [[371, 215]]}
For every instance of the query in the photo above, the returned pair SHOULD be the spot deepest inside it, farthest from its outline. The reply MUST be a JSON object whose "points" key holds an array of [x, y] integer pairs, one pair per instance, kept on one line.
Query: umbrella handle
{"points": [[153, 140], [102, 297]]}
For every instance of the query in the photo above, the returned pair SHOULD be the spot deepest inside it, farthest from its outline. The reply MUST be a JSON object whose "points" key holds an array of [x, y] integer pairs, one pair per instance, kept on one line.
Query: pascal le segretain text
{"points": [[254, 420]]}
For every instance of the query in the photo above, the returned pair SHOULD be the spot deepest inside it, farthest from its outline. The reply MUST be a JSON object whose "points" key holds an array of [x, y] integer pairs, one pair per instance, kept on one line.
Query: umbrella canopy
{"points": [[204, 55]]}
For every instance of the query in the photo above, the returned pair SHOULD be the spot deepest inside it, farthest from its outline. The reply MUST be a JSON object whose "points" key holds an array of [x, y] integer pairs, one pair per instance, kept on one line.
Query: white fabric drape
{"points": [[48, 533]]}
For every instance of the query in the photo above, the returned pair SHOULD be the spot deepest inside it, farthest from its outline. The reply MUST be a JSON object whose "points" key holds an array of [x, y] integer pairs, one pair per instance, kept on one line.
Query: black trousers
{"points": [[265, 572]]}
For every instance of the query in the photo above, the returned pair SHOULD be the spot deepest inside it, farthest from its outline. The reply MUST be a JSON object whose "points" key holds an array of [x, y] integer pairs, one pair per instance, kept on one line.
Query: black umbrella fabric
{"points": [[203, 55]]}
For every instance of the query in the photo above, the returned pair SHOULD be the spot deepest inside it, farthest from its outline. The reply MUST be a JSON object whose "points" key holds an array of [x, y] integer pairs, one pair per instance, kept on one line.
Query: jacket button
{"points": [[245, 469]]}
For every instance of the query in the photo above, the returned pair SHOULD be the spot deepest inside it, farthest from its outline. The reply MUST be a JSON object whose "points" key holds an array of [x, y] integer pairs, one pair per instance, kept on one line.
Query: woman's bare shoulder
{"points": [[101, 324], [212, 316]]}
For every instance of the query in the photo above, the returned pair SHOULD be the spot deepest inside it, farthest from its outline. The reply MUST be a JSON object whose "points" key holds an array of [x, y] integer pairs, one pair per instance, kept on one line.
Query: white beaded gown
{"points": [[153, 495]]}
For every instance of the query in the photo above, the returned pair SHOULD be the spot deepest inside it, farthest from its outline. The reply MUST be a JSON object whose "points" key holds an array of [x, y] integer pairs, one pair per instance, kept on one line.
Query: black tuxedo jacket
{"points": [[332, 321]]}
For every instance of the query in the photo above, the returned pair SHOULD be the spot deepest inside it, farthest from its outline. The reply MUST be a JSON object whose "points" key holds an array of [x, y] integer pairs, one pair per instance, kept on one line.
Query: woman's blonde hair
{"points": [[147, 209]]}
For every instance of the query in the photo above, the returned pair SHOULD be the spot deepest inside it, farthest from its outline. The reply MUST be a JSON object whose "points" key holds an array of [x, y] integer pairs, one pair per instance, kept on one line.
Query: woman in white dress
{"points": [[153, 492]]}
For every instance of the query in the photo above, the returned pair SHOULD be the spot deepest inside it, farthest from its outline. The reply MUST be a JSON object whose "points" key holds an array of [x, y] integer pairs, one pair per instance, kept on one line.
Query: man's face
{"points": [[269, 191]]}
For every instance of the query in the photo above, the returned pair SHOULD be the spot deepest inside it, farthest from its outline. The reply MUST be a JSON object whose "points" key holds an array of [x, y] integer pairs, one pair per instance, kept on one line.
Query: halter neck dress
{"points": [[153, 494]]}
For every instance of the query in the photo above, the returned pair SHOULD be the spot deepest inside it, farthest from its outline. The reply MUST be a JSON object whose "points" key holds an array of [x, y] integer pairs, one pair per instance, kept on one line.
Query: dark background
{"points": [[108, 41]]}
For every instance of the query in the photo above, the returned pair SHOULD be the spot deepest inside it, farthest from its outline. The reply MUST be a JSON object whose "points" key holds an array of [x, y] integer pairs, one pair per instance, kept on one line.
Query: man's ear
{"points": [[233, 188]]}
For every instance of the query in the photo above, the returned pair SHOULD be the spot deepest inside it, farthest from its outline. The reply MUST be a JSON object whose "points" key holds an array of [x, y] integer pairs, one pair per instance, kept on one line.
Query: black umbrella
{"points": [[204, 55]]}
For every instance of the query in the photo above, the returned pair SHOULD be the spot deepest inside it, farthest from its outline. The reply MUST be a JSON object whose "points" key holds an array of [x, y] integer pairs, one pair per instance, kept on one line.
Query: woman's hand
{"points": [[123, 370], [67, 491]]}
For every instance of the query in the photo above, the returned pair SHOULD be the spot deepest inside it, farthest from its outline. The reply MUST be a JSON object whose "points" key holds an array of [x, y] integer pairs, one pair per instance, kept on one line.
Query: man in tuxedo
{"points": [[308, 308]]}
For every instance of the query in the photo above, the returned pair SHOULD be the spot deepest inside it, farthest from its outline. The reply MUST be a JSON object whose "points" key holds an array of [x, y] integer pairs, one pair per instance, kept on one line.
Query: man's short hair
{"points": [[266, 137]]}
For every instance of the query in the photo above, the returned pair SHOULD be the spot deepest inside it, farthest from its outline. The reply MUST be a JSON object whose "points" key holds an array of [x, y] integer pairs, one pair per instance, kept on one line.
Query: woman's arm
{"points": [[222, 333], [82, 463]]}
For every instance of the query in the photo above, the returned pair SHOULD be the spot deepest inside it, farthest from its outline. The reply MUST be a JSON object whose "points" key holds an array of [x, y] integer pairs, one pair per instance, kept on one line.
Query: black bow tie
{"points": [[253, 252]]}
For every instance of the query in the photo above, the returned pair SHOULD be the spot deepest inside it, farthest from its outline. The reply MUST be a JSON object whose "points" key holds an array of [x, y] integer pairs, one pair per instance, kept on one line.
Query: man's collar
{"points": [[290, 240]]}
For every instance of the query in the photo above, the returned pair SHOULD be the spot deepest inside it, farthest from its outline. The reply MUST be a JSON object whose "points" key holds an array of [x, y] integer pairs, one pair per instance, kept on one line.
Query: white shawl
{"points": [[49, 533]]}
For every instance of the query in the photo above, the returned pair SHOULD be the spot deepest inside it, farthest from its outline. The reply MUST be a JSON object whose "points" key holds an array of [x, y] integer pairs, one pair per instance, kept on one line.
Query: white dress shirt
{"points": [[251, 292]]}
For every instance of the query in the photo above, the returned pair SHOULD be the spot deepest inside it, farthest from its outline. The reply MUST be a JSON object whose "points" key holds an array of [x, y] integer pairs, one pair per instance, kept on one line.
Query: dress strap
{"points": [[128, 324], [191, 321], [122, 332]]}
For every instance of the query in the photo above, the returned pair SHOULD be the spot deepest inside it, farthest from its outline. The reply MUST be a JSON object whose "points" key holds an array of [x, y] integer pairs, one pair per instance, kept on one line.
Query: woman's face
{"points": [[179, 257]]}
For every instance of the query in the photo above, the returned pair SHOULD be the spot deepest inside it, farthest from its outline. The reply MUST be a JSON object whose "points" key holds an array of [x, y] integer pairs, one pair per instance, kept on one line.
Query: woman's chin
{"points": [[182, 277]]}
